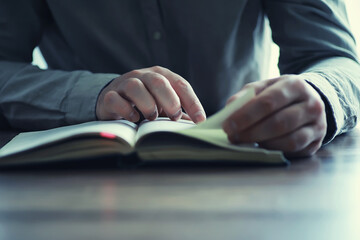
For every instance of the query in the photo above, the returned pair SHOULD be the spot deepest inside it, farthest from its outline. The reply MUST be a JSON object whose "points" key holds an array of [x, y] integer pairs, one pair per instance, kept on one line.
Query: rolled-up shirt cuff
{"points": [[334, 111]]}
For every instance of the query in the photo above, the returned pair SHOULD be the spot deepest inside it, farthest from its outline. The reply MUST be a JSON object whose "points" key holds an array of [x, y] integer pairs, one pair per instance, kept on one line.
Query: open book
{"points": [[161, 139]]}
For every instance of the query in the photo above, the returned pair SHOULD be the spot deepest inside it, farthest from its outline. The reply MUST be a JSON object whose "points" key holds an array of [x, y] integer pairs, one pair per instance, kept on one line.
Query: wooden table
{"points": [[315, 198]]}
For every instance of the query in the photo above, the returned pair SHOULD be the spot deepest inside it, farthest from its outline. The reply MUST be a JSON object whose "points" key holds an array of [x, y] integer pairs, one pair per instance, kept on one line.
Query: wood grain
{"points": [[313, 198]]}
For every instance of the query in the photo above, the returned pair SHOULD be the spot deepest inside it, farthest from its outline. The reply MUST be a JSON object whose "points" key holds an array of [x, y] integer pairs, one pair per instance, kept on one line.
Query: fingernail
{"points": [[177, 115], [154, 115], [199, 116], [133, 117]]}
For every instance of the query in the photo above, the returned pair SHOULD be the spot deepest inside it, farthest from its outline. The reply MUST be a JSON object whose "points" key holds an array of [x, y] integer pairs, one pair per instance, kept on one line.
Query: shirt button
{"points": [[157, 35]]}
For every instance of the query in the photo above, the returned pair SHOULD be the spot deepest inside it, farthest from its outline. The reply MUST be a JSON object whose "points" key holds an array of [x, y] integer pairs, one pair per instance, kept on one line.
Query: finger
{"points": [[283, 122], [259, 86], [186, 117], [162, 114], [164, 94], [310, 150], [183, 116], [298, 141], [134, 90], [183, 89], [271, 100], [116, 107]]}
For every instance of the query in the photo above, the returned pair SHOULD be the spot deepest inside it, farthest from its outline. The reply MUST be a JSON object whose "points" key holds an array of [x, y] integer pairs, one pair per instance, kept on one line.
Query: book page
{"points": [[217, 137], [209, 131], [162, 124], [216, 120], [122, 129]]}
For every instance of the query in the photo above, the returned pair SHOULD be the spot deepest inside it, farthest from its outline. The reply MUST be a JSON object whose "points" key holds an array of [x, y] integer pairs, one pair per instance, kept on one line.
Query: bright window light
{"points": [[353, 7]]}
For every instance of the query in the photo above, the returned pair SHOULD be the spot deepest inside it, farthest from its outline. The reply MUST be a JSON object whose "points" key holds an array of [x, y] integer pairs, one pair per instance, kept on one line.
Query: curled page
{"points": [[216, 120]]}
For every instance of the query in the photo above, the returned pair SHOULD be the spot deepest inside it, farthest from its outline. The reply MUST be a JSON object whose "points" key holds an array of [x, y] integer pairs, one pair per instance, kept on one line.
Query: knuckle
{"points": [[108, 98], [132, 84], [135, 72], [122, 110], [111, 99], [182, 85], [281, 95], [158, 81], [174, 105], [268, 103], [316, 107], [299, 84], [158, 69], [298, 141], [194, 105]]}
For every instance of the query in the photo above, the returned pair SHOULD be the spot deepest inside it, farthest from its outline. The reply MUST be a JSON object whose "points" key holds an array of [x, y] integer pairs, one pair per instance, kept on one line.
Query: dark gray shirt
{"points": [[218, 46]]}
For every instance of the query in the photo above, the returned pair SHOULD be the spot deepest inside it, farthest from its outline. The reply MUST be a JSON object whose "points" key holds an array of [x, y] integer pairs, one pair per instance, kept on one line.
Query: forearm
{"points": [[33, 99]]}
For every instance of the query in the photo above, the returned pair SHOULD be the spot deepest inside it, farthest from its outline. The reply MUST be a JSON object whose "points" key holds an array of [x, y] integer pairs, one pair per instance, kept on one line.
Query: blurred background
{"points": [[353, 8]]}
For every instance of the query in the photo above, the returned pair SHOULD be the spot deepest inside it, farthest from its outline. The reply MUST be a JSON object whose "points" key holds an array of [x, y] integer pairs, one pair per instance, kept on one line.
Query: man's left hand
{"points": [[286, 114]]}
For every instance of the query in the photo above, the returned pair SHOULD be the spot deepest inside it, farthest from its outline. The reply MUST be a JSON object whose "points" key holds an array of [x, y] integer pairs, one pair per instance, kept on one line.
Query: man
{"points": [[104, 59]]}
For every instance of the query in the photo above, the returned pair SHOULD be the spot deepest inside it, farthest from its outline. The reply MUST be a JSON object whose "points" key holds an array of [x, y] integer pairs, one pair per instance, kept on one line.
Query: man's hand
{"points": [[286, 114], [153, 91]]}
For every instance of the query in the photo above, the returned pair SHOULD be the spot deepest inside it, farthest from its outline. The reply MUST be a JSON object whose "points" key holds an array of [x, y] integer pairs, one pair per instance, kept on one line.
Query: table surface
{"points": [[313, 198]]}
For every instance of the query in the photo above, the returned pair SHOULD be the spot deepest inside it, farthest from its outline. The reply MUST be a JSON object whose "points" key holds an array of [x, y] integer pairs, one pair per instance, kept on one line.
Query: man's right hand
{"points": [[152, 90]]}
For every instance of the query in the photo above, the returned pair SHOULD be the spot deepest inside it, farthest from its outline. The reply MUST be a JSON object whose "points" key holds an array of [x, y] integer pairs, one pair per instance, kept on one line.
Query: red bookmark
{"points": [[107, 135]]}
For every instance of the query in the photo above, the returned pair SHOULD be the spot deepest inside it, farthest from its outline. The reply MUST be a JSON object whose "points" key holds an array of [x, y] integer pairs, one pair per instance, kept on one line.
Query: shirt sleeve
{"points": [[315, 42], [35, 99]]}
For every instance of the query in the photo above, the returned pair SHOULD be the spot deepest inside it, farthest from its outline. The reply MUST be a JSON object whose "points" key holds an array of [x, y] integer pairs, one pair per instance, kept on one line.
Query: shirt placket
{"points": [[155, 31]]}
